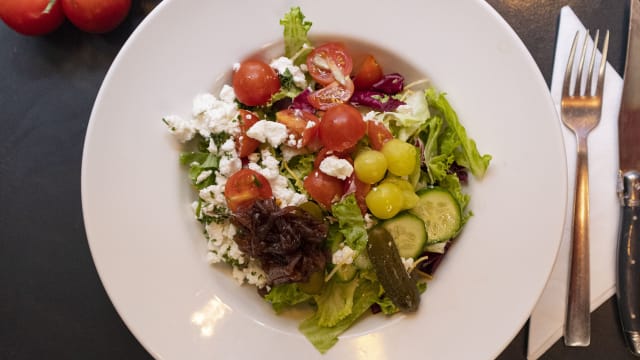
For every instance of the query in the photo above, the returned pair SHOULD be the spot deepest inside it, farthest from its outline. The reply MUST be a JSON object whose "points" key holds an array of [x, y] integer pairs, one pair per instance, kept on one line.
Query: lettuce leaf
{"points": [[323, 338], [295, 32], [468, 154], [351, 223], [408, 120], [286, 295], [335, 302]]}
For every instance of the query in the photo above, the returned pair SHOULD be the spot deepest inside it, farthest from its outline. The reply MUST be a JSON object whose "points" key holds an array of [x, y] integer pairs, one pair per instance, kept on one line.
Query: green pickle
{"points": [[397, 284]]}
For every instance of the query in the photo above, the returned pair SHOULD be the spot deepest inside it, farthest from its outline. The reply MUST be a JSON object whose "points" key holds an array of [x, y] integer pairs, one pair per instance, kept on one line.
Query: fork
{"points": [[581, 108]]}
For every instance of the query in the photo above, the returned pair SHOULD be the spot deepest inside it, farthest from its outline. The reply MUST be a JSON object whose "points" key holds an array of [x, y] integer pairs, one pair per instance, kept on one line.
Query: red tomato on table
{"points": [[244, 187], [96, 16], [32, 17]]}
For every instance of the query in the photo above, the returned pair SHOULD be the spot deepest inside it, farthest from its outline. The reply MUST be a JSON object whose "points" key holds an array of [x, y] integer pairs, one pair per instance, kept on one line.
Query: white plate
{"points": [[150, 253]]}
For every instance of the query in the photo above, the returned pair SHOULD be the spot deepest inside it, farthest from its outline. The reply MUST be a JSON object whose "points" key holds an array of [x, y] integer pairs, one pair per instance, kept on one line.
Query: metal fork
{"points": [[580, 110]]}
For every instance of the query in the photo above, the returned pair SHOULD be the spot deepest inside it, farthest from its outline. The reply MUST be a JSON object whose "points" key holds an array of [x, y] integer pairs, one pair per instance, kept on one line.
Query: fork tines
{"points": [[581, 87]]}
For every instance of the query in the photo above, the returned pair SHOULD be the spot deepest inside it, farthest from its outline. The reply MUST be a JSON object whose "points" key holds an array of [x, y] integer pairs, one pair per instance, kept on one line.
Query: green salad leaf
{"points": [[286, 295], [199, 162], [468, 156], [406, 121], [351, 223], [295, 32], [323, 338]]}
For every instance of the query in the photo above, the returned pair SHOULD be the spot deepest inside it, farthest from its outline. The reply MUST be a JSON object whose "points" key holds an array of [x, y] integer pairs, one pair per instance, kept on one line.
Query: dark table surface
{"points": [[52, 304]]}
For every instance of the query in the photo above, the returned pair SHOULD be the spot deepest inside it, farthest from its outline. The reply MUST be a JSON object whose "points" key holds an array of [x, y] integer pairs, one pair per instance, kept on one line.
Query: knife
{"points": [[628, 272]]}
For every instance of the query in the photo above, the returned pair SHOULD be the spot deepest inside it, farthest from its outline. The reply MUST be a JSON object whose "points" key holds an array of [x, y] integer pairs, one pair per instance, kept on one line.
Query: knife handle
{"points": [[628, 289]]}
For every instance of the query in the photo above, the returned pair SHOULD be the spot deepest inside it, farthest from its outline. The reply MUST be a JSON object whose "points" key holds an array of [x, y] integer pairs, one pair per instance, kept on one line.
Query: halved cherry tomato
{"points": [[254, 82], [303, 125], [368, 74], [341, 127], [244, 187], [331, 95], [378, 134], [244, 144], [323, 188], [34, 17], [328, 61]]}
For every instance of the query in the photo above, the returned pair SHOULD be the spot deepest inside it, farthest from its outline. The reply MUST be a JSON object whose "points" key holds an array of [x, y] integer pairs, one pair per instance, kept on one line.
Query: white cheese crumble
{"points": [[268, 131], [282, 64], [336, 167], [408, 263], [203, 176], [343, 256], [180, 128], [269, 167]]}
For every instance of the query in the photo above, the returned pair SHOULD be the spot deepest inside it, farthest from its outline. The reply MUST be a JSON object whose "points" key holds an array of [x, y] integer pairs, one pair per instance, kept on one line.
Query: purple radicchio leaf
{"points": [[375, 100], [390, 84], [301, 102]]}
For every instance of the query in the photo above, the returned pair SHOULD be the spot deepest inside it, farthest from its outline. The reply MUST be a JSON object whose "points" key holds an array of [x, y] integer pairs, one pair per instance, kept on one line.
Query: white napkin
{"points": [[547, 319]]}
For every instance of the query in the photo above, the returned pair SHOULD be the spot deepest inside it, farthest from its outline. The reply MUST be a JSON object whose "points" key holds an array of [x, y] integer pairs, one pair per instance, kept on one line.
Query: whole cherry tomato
{"points": [[341, 127], [96, 16], [32, 17], [254, 82]]}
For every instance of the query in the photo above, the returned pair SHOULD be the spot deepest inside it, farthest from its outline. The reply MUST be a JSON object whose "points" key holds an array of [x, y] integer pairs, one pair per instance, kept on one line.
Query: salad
{"points": [[326, 182]]}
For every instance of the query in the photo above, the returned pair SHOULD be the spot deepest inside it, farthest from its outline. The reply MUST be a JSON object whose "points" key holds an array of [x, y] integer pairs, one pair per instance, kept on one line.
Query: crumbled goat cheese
{"points": [[203, 176], [336, 167], [343, 256], [282, 64], [407, 262], [268, 131], [180, 128], [269, 167]]}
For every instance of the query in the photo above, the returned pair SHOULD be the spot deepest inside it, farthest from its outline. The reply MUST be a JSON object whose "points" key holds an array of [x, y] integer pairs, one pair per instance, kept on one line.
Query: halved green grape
{"points": [[370, 166], [401, 157], [385, 200]]}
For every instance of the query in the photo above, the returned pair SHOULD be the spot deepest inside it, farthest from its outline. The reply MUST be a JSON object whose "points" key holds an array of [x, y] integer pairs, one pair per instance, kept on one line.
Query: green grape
{"points": [[408, 192], [401, 157], [385, 200], [370, 166]]}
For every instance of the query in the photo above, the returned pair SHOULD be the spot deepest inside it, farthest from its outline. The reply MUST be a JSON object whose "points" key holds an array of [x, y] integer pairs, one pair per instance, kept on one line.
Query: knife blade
{"points": [[628, 268]]}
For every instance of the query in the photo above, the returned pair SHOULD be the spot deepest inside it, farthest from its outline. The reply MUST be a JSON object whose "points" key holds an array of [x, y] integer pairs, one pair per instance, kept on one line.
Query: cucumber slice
{"points": [[440, 213], [408, 233]]}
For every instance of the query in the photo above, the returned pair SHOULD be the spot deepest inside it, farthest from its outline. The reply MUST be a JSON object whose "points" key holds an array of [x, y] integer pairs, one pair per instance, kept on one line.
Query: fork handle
{"points": [[578, 320], [628, 291]]}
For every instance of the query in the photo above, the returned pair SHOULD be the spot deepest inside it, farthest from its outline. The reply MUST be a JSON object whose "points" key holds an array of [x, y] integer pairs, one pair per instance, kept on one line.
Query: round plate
{"points": [[150, 253]]}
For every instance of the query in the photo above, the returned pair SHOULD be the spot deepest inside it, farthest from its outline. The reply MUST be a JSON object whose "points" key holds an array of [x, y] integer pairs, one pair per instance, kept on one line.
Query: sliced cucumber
{"points": [[440, 213], [409, 234]]}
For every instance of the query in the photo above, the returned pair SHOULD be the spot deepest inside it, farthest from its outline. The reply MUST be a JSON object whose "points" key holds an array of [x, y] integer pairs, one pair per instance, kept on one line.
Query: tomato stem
{"points": [[49, 6]]}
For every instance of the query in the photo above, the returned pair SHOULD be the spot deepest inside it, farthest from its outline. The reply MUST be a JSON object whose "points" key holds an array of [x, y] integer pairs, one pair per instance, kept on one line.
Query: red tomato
{"points": [[327, 61], [254, 82], [33, 17], [368, 74], [378, 134], [96, 16], [244, 144], [331, 95], [341, 127], [302, 124], [244, 187], [323, 188]]}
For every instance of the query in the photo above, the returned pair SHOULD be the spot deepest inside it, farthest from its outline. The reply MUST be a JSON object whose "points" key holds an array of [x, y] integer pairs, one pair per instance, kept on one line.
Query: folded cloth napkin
{"points": [[547, 319]]}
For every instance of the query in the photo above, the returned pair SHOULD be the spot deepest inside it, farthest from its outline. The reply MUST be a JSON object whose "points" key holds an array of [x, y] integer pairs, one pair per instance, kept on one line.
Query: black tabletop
{"points": [[52, 304]]}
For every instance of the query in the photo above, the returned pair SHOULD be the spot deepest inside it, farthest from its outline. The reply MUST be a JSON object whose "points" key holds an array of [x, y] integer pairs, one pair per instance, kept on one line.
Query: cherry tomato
{"points": [[341, 127], [327, 61], [96, 16], [254, 82], [360, 190], [302, 124], [244, 187], [378, 134], [244, 144], [331, 95], [323, 188], [34, 17], [368, 74]]}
